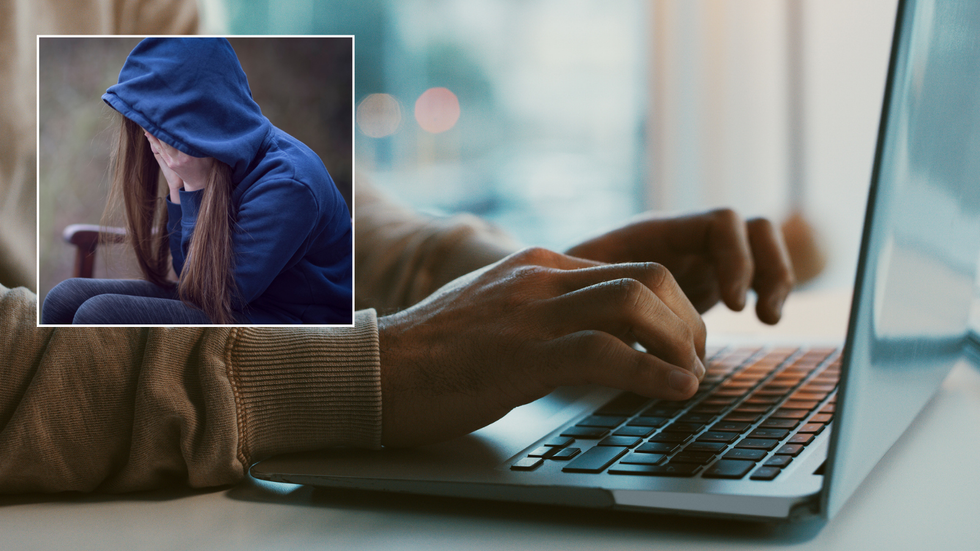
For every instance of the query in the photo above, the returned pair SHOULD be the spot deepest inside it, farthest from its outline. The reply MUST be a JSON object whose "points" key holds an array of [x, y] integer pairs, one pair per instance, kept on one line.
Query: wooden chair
{"points": [[86, 239]]}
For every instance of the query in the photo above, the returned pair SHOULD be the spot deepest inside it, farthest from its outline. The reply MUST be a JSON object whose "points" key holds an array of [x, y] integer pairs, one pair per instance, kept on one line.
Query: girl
{"points": [[254, 226]]}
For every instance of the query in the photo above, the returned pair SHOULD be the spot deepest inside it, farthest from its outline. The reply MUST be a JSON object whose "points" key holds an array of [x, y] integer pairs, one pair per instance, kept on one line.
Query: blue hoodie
{"points": [[292, 238]]}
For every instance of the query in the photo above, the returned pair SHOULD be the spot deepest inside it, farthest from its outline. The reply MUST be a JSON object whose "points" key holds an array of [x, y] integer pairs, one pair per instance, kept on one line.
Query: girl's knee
{"points": [[61, 302], [100, 309]]}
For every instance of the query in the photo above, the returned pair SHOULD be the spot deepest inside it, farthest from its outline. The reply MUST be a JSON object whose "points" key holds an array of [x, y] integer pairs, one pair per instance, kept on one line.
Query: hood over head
{"points": [[192, 93]]}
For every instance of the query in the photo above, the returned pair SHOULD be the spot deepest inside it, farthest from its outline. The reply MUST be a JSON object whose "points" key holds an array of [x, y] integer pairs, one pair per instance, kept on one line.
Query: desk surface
{"points": [[923, 495]]}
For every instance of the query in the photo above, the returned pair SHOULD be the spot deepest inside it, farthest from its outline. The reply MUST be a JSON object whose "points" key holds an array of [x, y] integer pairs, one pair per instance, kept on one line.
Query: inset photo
{"points": [[195, 180]]}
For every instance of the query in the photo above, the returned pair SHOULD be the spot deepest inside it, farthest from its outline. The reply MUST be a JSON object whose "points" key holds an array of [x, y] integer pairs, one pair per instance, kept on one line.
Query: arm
{"points": [[713, 255], [402, 256], [123, 409], [459, 357], [275, 223]]}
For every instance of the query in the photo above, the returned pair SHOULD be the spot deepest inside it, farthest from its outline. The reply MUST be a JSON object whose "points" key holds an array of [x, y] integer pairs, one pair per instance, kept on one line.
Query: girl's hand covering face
{"points": [[179, 168], [174, 182]]}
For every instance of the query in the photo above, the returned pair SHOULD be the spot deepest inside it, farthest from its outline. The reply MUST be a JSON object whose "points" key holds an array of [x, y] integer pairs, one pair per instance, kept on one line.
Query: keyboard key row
{"points": [[771, 382]]}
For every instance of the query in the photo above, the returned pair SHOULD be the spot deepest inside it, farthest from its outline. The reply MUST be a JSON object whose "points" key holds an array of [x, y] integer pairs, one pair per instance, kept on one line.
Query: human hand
{"points": [[514, 331], [191, 172], [713, 256], [173, 180]]}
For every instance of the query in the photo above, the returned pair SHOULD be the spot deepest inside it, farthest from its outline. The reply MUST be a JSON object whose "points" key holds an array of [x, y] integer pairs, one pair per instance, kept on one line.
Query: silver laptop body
{"points": [[908, 326]]}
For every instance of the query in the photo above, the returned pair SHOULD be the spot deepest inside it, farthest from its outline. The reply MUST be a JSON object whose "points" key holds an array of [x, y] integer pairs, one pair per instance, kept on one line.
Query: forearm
{"points": [[124, 409], [401, 256]]}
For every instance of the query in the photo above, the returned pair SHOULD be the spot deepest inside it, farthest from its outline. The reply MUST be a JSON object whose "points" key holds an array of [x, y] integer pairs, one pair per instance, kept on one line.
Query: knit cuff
{"points": [[306, 388]]}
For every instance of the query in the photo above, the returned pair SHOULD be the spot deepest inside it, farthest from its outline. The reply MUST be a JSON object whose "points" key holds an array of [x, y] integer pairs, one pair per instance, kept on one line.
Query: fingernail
{"points": [[739, 293], [699, 369], [776, 304], [682, 381]]}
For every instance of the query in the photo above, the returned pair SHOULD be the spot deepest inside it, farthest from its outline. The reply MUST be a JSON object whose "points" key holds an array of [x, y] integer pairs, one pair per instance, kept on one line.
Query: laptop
{"points": [[774, 432]]}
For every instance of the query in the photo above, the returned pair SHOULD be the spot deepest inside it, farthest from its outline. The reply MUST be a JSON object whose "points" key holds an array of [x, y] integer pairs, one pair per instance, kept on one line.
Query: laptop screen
{"points": [[918, 263]]}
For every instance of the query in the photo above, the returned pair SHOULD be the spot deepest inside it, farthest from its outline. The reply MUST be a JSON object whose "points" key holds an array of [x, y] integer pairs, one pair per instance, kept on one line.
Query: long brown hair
{"points": [[206, 281]]}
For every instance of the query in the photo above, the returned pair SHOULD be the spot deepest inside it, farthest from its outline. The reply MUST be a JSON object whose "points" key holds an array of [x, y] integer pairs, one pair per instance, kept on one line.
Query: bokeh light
{"points": [[437, 110], [379, 115]]}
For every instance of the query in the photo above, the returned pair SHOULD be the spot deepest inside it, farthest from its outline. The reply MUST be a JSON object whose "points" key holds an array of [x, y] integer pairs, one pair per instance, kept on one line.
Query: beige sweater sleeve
{"points": [[123, 409], [401, 256]]}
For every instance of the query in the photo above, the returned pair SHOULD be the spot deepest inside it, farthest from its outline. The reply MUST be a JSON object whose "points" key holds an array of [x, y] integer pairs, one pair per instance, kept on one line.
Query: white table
{"points": [[925, 494]]}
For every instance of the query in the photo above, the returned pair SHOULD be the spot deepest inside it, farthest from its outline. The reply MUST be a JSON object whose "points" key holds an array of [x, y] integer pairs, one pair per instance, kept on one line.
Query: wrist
{"points": [[190, 186]]}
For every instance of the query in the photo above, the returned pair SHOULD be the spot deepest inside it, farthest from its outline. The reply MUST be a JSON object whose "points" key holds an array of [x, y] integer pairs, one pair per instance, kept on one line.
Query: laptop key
{"points": [[671, 437], [602, 421], [585, 433], [779, 424], [565, 454], [642, 432], [647, 421], [686, 428], [752, 408], [762, 400], [595, 460], [706, 408], [813, 428], [738, 416], [716, 401], [757, 444], [730, 426], [660, 411], [786, 413], [543, 451], [670, 469], [808, 396], [728, 468], [801, 438], [778, 434], [621, 441], [626, 403], [746, 454], [800, 404], [711, 436], [713, 447], [657, 447], [697, 418], [790, 449], [559, 441], [527, 464], [644, 458], [778, 461], [765, 473]]}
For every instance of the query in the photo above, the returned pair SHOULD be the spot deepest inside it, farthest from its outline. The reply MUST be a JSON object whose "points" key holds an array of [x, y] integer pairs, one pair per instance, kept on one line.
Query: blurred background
{"points": [[558, 119]]}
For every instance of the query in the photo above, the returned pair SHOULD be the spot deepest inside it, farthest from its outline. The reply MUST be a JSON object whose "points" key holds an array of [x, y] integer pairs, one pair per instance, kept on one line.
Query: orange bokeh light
{"points": [[437, 110]]}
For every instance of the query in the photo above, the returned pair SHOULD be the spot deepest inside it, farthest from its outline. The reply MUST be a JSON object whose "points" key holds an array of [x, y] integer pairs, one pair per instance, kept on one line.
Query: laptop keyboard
{"points": [[754, 412]]}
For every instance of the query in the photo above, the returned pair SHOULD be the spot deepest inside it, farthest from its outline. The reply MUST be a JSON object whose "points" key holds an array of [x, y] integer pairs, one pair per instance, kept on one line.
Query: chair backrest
{"points": [[86, 239]]}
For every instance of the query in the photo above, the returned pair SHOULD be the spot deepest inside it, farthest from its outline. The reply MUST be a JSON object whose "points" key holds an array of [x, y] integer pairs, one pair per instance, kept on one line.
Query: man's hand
{"points": [[514, 331], [713, 256], [191, 173]]}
